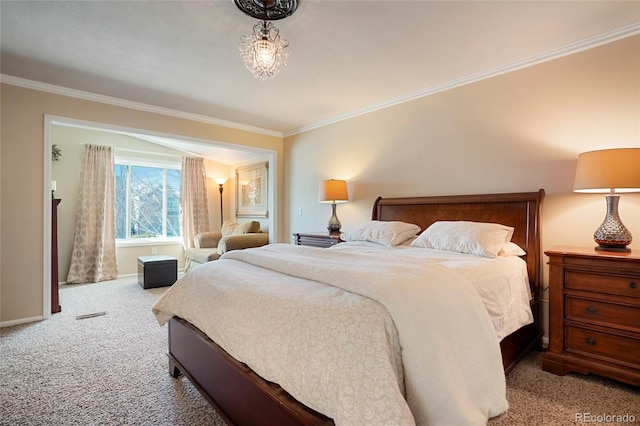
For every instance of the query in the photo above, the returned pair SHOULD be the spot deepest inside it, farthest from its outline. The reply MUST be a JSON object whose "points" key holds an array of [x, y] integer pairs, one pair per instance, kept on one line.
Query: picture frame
{"points": [[252, 190]]}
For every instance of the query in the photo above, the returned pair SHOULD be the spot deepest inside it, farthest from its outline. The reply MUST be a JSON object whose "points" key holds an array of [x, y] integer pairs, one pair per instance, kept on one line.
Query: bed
{"points": [[241, 396]]}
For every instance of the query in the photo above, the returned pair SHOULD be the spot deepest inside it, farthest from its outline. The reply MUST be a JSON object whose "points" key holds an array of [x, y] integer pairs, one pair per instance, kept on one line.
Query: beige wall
{"points": [[516, 132], [22, 179]]}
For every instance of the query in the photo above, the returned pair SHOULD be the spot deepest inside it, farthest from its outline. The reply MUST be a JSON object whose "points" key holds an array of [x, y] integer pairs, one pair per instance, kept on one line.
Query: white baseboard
{"points": [[180, 271], [20, 321], [40, 318]]}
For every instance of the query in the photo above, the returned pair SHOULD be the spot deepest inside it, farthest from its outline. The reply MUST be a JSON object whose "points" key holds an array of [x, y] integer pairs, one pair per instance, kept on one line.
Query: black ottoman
{"points": [[157, 271]]}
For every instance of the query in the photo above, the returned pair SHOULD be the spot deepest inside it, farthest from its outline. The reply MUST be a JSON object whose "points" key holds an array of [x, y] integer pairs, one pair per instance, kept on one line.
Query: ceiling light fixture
{"points": [[264, 53]]}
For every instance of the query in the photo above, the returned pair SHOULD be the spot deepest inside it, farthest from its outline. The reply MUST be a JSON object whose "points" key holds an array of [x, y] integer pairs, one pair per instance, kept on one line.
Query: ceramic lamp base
{"points": [[334, 223], [612, 235]]}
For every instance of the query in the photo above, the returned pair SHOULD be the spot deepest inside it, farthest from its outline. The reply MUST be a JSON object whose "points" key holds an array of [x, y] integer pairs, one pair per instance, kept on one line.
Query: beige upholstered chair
{"points": [[233, 236]]}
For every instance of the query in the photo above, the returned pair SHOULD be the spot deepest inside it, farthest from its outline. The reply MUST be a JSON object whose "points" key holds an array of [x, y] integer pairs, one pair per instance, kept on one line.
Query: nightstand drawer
{"points": [[594, 313], [591, 342], [603, 313], [603, 283]]}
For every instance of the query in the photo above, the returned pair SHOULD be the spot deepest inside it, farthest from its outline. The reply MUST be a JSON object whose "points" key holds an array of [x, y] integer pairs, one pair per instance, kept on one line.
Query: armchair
{"points": [[209, 246]]}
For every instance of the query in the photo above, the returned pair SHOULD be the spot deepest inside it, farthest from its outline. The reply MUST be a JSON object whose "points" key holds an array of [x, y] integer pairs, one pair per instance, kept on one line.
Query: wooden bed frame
{"points": [[242, 397]]}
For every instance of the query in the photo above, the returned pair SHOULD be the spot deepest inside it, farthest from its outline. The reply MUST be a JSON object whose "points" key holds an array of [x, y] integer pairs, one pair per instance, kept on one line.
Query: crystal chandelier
{"points": [[263, 52]]}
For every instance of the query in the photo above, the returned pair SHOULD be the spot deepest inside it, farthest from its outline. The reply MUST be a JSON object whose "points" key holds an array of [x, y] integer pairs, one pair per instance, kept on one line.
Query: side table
{"points": [[316, 239], [594, 313]]}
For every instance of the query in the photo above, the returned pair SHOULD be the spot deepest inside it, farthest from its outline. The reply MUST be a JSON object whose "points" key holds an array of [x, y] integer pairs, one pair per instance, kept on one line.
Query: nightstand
{"points": [[316, 240], [594, 313]]}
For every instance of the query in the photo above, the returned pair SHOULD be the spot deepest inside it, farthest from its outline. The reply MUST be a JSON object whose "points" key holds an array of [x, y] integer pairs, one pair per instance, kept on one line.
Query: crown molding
{"points": [[589, 43], [109, 100]]}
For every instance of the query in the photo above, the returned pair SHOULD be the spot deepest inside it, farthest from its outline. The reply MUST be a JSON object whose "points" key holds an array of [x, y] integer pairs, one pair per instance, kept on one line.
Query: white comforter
{"points": [[340, 353], [501, 282]]}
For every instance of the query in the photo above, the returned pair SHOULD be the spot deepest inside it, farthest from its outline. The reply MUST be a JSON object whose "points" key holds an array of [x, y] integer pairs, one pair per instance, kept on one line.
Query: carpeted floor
{"points": [[112, 370], [105, 370], [540, 398]]}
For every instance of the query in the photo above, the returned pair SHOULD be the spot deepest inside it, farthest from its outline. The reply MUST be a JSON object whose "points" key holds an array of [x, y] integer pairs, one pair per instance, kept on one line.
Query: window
{"points": [[147, 201]]}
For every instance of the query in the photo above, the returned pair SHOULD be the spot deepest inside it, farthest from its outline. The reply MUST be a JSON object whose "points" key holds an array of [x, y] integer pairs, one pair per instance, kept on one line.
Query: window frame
{"points": [[155, 163]]}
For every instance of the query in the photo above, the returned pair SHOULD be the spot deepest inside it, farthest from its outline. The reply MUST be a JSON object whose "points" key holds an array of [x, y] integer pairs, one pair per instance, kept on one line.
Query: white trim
{"points": [[109, 100], [273, 197], [608, 37], [46, 221], [21, 321], [125, 276], [140, 242]]}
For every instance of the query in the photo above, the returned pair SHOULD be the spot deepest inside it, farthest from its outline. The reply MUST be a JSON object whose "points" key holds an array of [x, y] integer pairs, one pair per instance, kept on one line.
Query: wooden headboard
{"points": [[519, 210]]}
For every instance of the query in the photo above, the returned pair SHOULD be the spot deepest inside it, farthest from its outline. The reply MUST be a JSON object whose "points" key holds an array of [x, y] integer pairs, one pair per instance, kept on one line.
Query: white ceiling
{"points": [[346, 57]]}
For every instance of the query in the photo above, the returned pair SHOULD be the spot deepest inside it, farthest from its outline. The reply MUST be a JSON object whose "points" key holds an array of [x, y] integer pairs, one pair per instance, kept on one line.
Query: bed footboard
{"points": [[237, 394]]}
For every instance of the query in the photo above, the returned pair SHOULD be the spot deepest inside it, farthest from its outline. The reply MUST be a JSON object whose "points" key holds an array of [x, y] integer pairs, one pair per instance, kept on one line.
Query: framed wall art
{"points": [[252, 190]]}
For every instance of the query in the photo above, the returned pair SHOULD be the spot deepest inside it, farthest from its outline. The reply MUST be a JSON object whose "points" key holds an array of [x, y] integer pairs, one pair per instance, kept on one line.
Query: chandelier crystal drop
{"points": [[263, 52]]}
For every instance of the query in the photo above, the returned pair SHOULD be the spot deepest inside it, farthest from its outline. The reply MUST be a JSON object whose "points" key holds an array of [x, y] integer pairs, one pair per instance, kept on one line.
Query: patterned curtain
{"points": [[193, 199], [94, 246]]}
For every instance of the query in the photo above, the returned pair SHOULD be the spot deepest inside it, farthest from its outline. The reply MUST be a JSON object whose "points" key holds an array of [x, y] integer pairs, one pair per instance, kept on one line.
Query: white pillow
{"points": [[479, 238], [386, 233], [511, 249]]}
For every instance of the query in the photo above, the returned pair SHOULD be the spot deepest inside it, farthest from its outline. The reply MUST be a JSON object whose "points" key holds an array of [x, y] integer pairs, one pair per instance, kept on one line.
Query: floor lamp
{"points": [[220, 182]]}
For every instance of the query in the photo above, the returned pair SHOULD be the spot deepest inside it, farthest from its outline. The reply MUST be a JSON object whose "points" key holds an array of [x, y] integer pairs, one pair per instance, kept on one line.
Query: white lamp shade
{"points": [[333, 191], [220, 180], [608, 170]]}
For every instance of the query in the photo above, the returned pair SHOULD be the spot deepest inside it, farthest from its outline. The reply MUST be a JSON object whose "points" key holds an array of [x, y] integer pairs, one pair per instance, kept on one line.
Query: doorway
{"points": [[233, 156]]}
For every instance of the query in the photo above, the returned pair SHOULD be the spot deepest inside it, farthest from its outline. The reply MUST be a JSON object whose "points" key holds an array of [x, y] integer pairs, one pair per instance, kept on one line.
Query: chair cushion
{"points": [[239, 242], [202, 255], [207, 239], [234, 228]]}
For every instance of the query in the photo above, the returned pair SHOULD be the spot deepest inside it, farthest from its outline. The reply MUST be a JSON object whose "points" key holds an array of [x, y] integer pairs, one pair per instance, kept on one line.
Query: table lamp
{"points": [[609, 171], [333, 191]]}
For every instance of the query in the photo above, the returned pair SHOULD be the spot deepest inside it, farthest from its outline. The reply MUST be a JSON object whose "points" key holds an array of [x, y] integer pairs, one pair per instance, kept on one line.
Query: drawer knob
{"points": [[592, 310], [633, 284], [591, 341]]}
